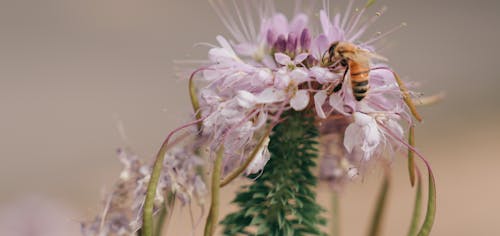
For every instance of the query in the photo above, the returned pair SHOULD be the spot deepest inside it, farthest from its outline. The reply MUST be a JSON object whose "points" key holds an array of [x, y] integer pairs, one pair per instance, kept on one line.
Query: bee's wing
{"points": [[367, 54]]}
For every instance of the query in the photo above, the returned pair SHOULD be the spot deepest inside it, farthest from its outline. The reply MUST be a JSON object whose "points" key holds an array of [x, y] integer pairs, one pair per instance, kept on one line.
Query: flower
{"points": [[122, 213], [270, 64]]}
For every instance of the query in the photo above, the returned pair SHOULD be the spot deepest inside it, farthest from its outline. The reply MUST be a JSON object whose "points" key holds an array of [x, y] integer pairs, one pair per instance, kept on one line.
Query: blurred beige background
{"points": [[71, 69]]}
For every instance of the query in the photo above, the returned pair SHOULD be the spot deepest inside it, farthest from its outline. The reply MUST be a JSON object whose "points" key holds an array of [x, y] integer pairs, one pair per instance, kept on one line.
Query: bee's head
{"points": [[332, 50]]}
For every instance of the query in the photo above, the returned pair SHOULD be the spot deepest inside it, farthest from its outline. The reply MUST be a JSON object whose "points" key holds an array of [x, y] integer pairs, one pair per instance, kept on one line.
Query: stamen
{"points": [[227, 20], [347, 14], [242, 22], [386, 33], [355, 22], [250, 20], [367, 24]]}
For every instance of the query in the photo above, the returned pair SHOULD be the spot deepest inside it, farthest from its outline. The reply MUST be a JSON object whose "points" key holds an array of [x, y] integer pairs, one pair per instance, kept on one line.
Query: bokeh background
{"points": [[71, 70]]}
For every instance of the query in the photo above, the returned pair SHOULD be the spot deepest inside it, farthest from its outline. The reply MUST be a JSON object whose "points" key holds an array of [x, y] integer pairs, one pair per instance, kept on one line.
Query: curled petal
{"points": [[260, 160], [245, 99], [319, 100], [300, 100]]}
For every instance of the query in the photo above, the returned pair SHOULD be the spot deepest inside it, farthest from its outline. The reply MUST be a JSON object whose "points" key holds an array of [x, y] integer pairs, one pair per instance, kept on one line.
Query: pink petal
{"points": [[298, 23], [282, 58], [301, 57]]}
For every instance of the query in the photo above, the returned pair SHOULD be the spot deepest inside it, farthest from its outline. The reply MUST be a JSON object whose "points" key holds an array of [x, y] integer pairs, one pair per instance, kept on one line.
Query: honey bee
{"points": [[356, 61]]}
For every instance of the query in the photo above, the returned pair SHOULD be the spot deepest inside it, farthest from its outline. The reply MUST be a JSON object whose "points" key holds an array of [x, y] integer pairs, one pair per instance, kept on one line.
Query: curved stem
{"points": [[430, 215], [213, 214], [194, 99], [147, 213], [416, 208], [233, 175]]}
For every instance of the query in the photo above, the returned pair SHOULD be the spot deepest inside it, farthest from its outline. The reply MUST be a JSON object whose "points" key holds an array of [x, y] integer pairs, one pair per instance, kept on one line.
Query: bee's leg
{"points": [[339, 86]]}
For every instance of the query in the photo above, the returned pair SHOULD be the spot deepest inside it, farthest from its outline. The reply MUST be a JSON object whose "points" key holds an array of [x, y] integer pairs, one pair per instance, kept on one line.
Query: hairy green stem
{"points": [[213, 214], [281, 200]]}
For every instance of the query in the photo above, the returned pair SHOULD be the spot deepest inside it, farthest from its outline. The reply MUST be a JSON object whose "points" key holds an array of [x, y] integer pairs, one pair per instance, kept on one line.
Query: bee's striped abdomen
{"points": [[359, 81]]}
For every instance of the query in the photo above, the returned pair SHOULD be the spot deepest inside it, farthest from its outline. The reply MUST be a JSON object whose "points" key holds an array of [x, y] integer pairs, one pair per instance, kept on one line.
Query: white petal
{"points": [[396, 128], [270, 95], [337, 103], [245, 99], [299, 75], [225, 44], [372, 136], [322, 75], [351, 137], [363, 119], [300, 100], [282, 58], [260, 159], [319, 100], [282, 79]]}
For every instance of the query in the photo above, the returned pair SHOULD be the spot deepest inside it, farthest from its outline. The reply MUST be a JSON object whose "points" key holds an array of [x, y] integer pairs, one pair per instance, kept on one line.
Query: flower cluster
{"points": [[122, 212], [253, 77]]}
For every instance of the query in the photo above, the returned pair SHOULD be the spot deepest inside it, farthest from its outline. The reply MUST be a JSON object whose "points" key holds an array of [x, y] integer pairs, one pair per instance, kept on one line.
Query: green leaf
{"points": [[416, 209], [431, 207], [378, 215]]}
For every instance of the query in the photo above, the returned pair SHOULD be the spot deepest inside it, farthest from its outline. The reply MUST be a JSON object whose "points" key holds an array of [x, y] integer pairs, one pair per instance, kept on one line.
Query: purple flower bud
{"points": [[280, 44], [271, 37], [305, 40], [291, 44]]}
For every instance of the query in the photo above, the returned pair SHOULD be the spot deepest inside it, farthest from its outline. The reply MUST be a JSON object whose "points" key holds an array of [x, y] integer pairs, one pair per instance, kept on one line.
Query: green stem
{"points": [[431, 207], [378, 215], [147, 216], [213, 214], [147, 212], [281, 200], [416, 208], [161, 219], [194, 99]]}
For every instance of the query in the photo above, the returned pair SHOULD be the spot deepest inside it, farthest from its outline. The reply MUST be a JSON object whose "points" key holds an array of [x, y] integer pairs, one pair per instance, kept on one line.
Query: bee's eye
{"points": [[343, 62], [332, 48]]}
